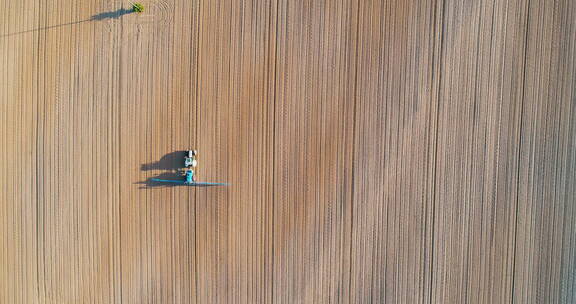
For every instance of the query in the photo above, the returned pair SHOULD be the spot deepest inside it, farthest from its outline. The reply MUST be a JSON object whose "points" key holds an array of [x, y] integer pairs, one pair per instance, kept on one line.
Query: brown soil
{"points": [[378, 151]]}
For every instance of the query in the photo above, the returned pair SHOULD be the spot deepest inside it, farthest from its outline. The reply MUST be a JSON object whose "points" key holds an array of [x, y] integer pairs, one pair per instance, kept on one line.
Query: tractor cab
{"points": [[190, 158]]}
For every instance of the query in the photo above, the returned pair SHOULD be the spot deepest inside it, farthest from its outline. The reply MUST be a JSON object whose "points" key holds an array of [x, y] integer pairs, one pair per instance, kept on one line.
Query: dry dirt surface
{"points": [[379, 151]]}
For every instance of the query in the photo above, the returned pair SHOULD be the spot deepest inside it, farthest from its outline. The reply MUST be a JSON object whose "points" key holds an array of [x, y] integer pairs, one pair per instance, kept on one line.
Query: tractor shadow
{"points": [[171, 161], [112, 14], [98, 17], [150, 184]]}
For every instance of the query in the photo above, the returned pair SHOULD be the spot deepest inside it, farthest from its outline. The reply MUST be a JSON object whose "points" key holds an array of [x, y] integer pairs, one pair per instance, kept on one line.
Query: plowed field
{"points": [[378, 151]]}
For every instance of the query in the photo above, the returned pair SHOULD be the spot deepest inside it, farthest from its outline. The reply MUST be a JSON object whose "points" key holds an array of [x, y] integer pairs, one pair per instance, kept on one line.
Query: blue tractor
{"points": [[190, 178]]}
